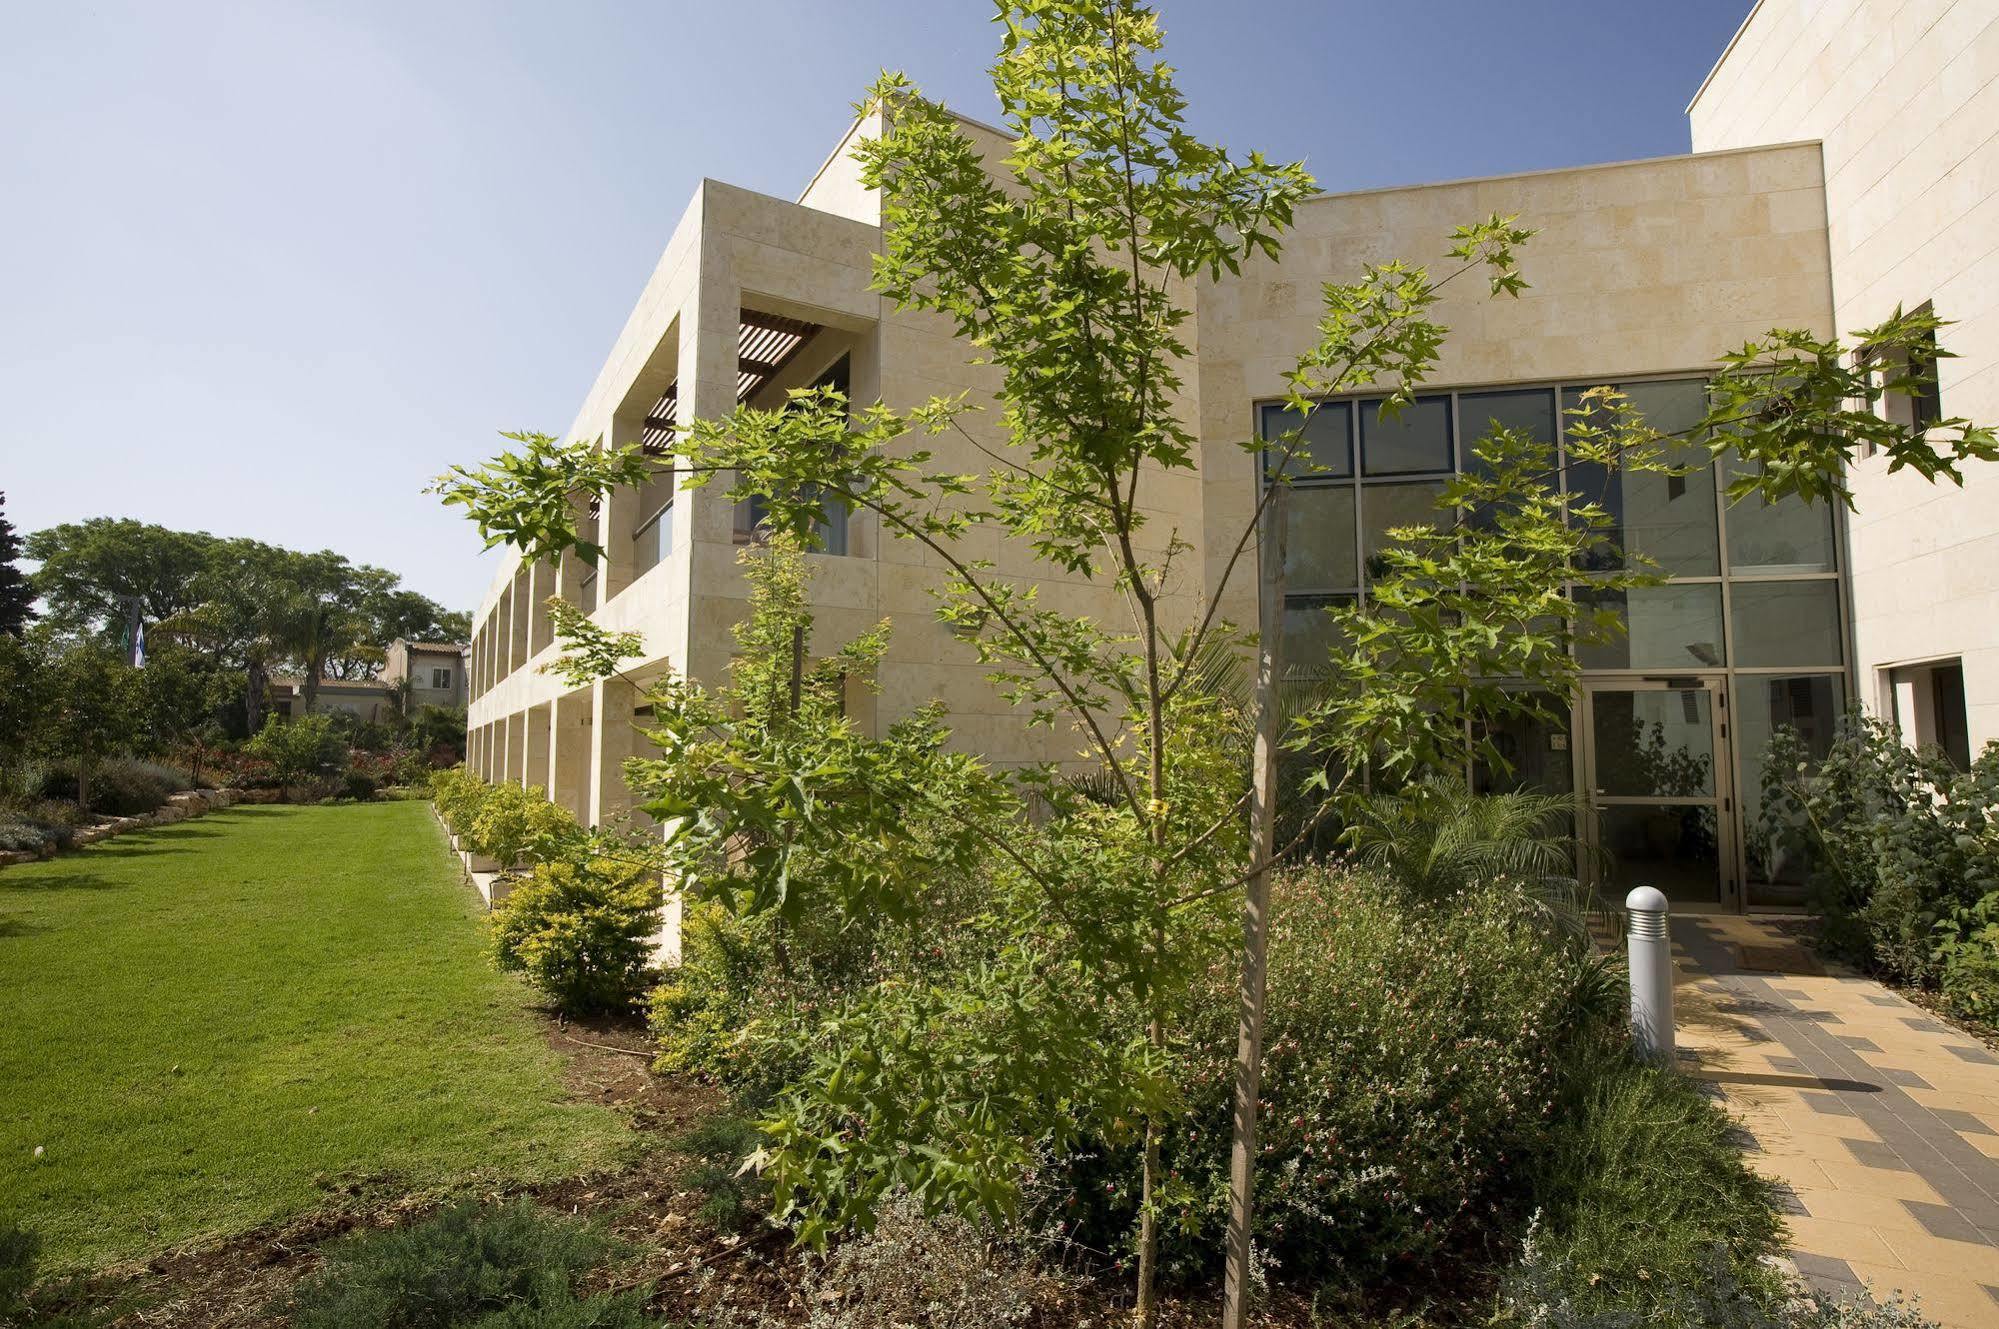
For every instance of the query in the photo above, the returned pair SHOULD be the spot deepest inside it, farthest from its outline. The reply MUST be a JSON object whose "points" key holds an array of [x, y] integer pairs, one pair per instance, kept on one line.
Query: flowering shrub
{"points": [[581, 930]]}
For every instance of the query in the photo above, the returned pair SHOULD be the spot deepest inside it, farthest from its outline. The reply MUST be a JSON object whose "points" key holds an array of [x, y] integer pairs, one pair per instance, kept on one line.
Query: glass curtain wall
{"points": [[1754, 605]]}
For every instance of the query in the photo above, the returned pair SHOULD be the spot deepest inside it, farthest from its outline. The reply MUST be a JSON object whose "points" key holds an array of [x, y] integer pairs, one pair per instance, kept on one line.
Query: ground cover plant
{"points": [[282, 1001], [471, 1266]]}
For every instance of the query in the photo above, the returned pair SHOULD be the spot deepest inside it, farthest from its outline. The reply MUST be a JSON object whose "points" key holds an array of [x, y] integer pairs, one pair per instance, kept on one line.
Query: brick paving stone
{"points": [[1888, 1173]]}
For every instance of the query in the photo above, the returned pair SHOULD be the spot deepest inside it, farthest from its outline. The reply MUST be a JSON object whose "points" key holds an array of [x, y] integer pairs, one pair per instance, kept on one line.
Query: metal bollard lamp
{"points": [[1650, 947]]}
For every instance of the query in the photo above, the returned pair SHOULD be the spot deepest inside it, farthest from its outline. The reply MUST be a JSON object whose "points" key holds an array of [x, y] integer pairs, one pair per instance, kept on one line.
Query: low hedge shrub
{"points": [[458, 795], [516, 826], [119, 786], [581, 930]]}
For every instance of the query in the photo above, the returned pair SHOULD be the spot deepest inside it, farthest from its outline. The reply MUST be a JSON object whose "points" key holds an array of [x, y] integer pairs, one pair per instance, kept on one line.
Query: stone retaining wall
{"points": [[178, 807]]}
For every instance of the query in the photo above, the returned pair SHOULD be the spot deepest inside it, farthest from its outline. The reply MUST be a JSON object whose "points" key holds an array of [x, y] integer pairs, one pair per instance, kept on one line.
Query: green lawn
{"points": [[210, 1025]]}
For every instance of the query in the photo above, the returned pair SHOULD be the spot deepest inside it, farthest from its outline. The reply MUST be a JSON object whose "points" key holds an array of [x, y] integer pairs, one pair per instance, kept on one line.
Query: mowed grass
{"points": [[219, 1023]]}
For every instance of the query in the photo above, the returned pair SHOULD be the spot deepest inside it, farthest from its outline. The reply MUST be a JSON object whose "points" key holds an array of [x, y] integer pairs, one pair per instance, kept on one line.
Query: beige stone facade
{"points": [[1641, 273], [1904, 100]]}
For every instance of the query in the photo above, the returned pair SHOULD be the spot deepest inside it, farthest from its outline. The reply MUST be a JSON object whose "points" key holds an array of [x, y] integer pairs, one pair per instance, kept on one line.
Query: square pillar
{"points": [[541, 628], [517, 631], [569, 752], [517, 748], [611, 733], [534, 769]]}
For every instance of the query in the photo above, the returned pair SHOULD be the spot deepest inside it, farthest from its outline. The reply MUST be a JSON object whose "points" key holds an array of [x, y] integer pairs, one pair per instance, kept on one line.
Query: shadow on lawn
{"points": [[26, 883], [20, 925]]}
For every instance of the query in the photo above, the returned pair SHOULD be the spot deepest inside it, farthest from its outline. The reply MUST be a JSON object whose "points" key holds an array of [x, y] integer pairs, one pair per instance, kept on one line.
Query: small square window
{"points": [[440, 679], [1324, 452], [1413, 442], [1918, 403]]}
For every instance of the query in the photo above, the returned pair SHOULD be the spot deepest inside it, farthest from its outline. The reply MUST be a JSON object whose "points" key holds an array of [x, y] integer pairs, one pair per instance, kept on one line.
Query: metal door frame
{"points": [[1729, 893]]}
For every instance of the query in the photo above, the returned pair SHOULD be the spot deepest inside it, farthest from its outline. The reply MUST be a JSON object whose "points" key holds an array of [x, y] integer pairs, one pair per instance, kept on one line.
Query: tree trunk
{"points": [[1255, 920], [254, 681], [83, 782]]}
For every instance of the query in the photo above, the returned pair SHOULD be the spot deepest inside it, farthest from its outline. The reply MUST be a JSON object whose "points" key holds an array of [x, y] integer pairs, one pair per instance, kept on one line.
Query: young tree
{"points": [[17, 598], [299, 750], [1069, 264], [85, 708]]}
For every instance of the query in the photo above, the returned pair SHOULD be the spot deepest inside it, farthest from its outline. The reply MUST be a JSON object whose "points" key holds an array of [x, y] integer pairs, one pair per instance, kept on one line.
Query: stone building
{"points": [[1845, 166]]}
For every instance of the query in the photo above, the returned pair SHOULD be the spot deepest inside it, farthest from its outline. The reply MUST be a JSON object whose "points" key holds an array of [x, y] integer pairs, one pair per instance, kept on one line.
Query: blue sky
{"points": [[265, 267]]}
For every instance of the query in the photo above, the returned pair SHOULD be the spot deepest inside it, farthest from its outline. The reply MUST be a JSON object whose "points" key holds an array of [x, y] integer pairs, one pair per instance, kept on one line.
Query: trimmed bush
{"points": [[510, 1266], [581, 930], [514, 826], [458, 795], [358, 785]]}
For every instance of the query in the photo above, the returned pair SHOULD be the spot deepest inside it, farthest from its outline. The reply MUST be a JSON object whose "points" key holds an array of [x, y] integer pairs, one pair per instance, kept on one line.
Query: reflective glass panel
{"points": [[1325, 451], [1309, 634], [1666, 627], [1675, 847], [1668, 518], [1387, 507], [1786, 622], [1532, 752], [1319, 539], [1416, 440], [1771, 539], [1810, 705], [1653, 743], [1530, 410]]}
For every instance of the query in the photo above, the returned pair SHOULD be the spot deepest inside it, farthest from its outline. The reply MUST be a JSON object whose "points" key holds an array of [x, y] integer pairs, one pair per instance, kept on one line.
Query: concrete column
{"points": [[534, 770], [516, 748], [541, 629], [569, 753], [517, 637], [708, 365], [614, 532], [613, 740]]}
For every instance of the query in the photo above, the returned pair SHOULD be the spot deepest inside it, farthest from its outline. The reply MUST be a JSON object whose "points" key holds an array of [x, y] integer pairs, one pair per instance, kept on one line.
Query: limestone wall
{"points": [[1905, 98]]}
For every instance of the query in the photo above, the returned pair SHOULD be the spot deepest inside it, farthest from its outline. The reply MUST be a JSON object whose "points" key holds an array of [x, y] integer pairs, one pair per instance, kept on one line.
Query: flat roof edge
{"points": [[1566, 170], [1715, 68]]}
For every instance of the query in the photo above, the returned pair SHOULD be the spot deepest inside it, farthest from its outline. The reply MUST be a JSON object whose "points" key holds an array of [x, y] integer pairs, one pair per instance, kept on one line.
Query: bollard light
{"points": [[1650, 947]]}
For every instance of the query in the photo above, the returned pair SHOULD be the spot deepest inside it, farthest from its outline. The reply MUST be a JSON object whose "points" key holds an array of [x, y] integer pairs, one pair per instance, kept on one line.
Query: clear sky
{"points": [[267, 266]]}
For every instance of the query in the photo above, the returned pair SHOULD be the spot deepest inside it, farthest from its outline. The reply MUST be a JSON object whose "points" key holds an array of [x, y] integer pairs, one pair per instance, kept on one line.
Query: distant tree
{"points": [[299, 750], [85, 707], [17, 597], [178, 696], [89, 570], [18, 700]]}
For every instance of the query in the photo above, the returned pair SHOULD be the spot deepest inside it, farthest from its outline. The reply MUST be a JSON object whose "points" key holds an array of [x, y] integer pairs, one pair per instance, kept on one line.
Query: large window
{"points": [[1751, 611], [831, 528], [1340, 513]]}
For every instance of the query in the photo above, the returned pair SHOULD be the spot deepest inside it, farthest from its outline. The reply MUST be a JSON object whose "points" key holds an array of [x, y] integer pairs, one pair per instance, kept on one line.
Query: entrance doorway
{"points": [[1656, 777]]}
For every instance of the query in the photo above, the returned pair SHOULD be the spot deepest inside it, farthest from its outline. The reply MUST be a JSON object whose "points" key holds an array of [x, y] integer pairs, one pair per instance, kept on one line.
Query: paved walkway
{"points": [[1881, 1122]]}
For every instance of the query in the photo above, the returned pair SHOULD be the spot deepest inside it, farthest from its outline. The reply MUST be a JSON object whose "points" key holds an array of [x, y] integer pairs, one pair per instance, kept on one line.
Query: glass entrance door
{"points": [[1657, 778]]}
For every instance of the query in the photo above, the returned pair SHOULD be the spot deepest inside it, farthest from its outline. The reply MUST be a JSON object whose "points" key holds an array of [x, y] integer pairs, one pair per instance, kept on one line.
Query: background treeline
{"points": [[83, 732]]}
